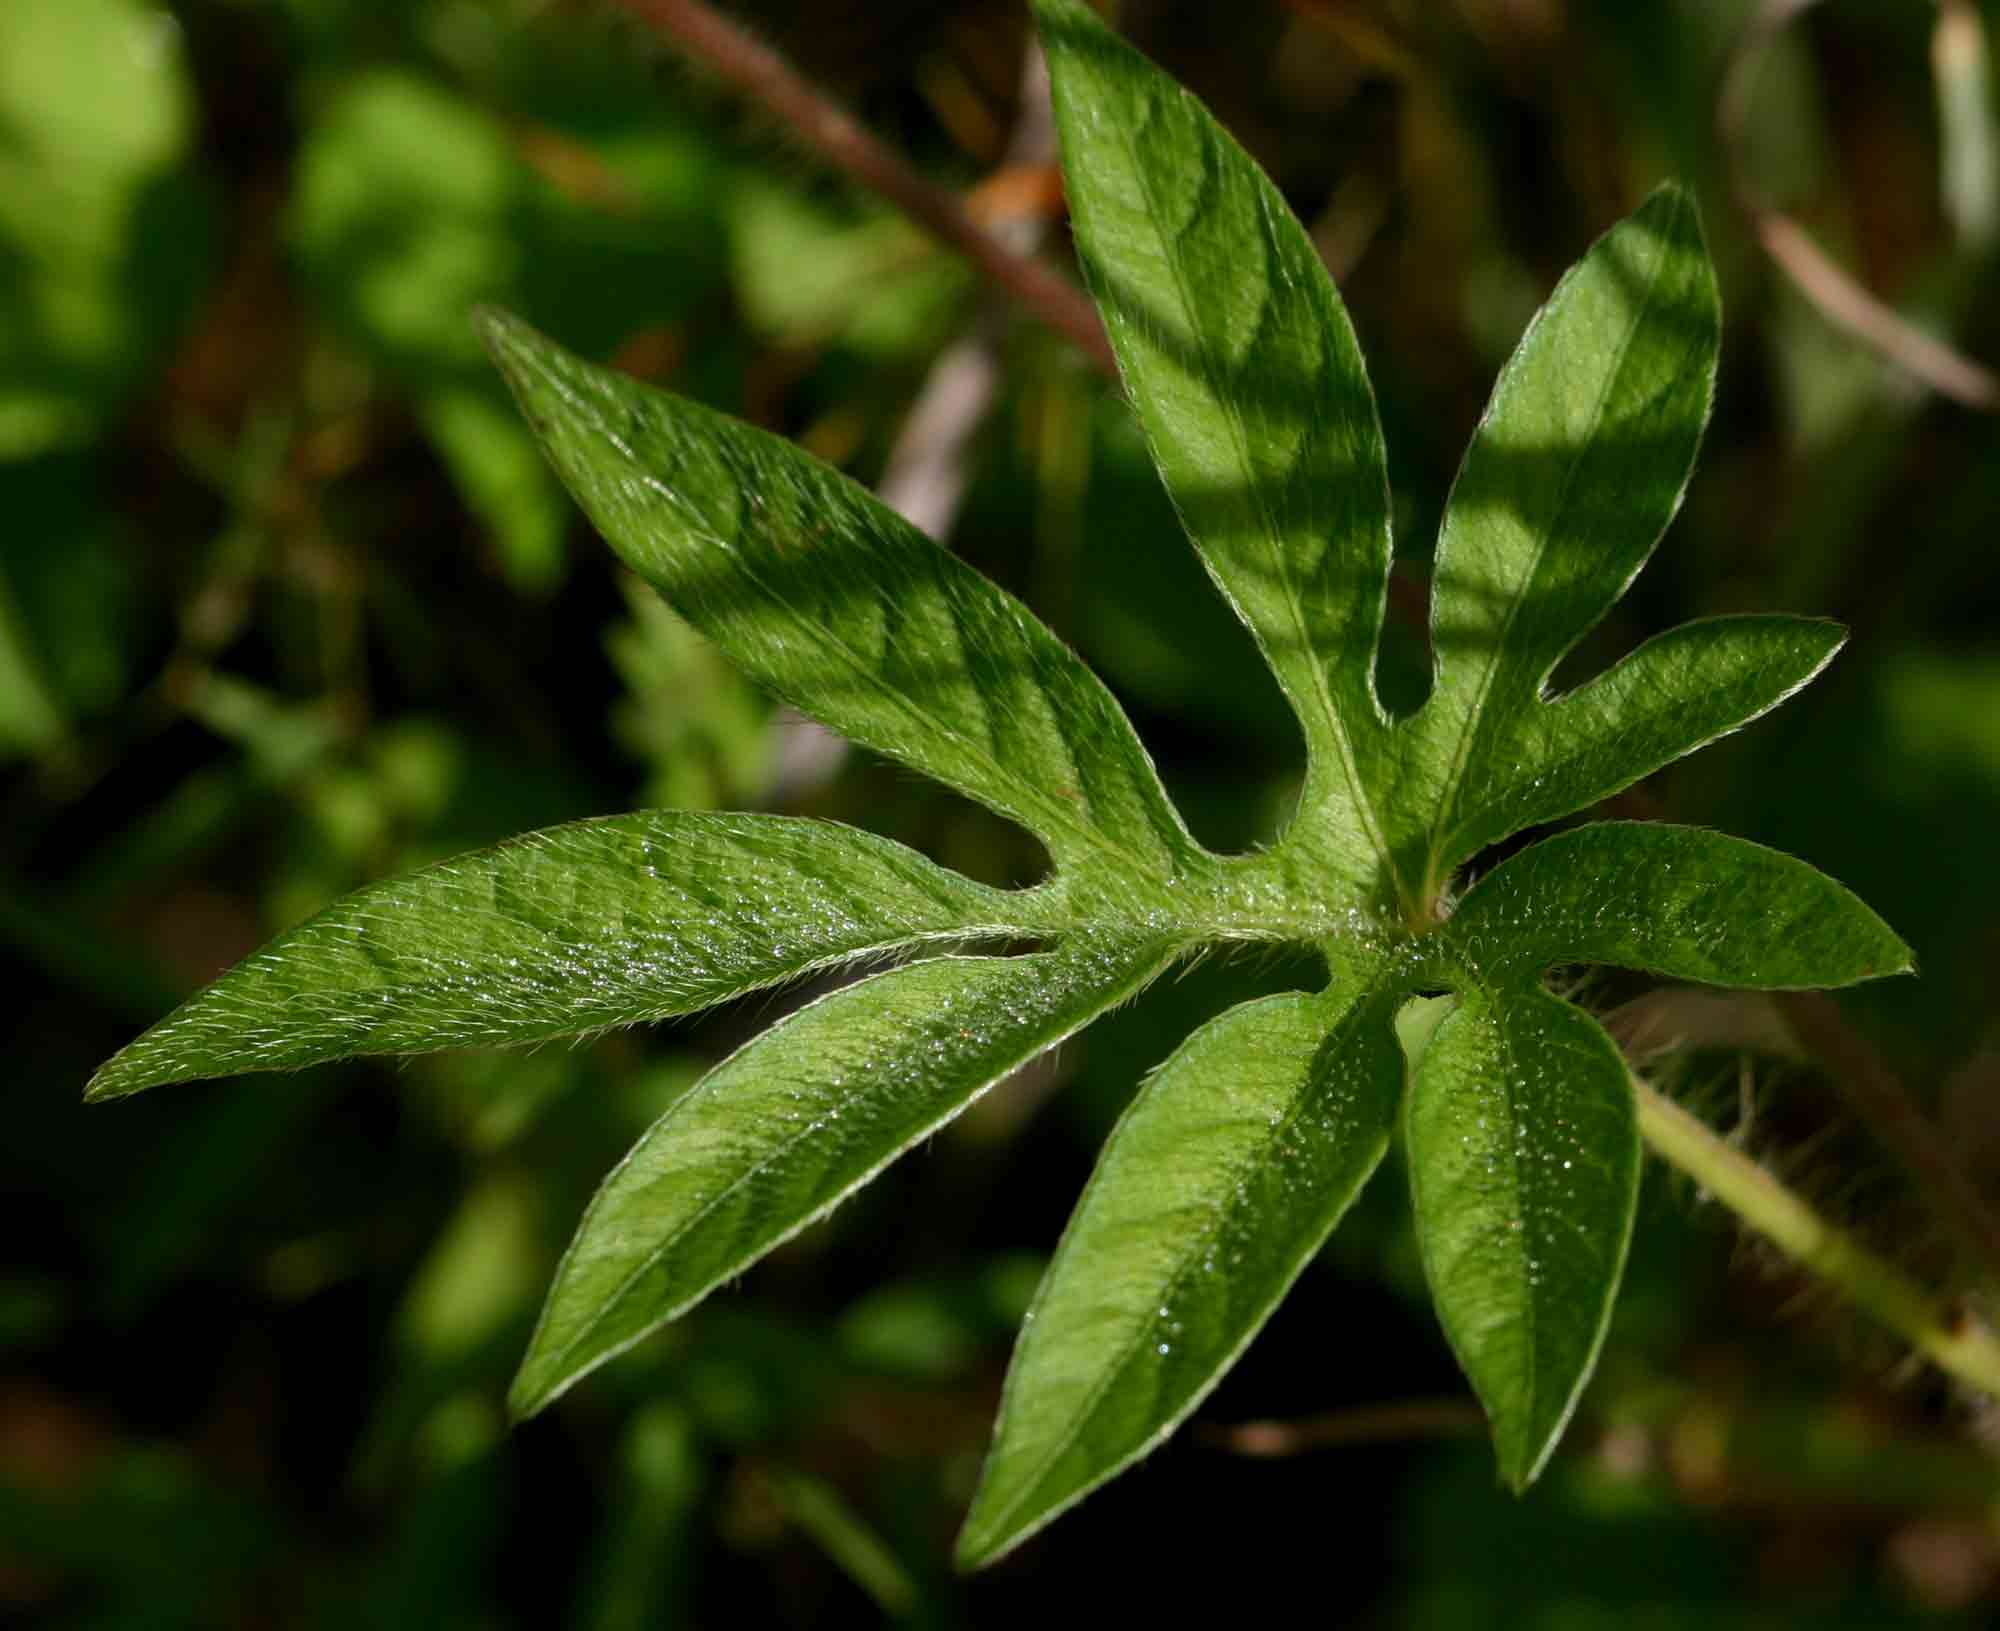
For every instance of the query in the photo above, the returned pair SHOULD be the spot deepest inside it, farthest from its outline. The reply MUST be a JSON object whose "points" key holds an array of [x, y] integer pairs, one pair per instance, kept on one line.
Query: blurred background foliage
{"points": [[288, 602]]}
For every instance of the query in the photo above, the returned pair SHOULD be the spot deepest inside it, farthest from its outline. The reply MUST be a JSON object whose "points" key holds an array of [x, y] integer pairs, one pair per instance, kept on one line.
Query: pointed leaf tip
{"points": [[102, 1087], [1255, 1137], [501, 333], [1524, 1171]]}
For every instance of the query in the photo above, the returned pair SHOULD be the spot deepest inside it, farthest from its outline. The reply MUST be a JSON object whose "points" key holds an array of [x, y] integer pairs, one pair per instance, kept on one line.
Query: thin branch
{"points": [[1370, 1424], [1949, 1335], [836, 137], [1837, 297], [1847, 305]]}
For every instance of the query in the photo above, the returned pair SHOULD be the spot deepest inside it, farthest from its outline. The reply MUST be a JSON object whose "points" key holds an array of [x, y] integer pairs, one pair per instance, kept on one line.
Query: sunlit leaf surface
{"points": [[1243, 1150]]}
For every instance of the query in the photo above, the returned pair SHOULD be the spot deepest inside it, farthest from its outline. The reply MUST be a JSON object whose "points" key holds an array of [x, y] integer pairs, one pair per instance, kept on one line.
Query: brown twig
{"points": [[1371, 1424], [1845, 303], [842, 141], [1838, 298]]}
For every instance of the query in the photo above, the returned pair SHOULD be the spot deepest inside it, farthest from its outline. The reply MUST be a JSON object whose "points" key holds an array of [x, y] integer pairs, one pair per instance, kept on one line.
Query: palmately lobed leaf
{"points": [[1240, 1154], [565, 931], [1523, 1140], [1243, 369]]}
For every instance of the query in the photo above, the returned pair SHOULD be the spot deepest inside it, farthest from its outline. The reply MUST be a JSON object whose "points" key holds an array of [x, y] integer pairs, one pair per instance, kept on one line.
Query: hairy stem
{"points": [[842, 141], [1864, 1077], [1950, 1337]]}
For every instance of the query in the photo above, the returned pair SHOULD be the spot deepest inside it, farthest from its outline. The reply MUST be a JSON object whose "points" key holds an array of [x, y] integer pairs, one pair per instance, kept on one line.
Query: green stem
{"points": [[1952, 1338], [821, 1513]]}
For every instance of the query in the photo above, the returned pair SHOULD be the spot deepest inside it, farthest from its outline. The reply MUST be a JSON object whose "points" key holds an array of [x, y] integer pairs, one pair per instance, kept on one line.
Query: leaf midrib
{"points": [[1530, 1316]]}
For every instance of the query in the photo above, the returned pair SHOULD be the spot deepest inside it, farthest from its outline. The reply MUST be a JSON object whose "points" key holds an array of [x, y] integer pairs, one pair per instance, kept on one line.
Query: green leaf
{"points": [[1677, 901], [30, 719], [1577, 467], [104, 231], [1677, 692], [792, 1123], [1524, 1170], [811, 274], [503, 479], [399, 252], [1245, 374], [842, 608], [1217, 1187], [562, 932], [68, 595], [1238, 1157]]}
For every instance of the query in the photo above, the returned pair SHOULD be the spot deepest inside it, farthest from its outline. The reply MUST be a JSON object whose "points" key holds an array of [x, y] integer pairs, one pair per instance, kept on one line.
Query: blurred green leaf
{"points": [[640, 1575], [817, 1508], [400, 254], [103, 232], [29, 717], [400, 251], [481, 1272], [810, 274], [500, 472], [934, 1328], [71, 571], [697, 724]]}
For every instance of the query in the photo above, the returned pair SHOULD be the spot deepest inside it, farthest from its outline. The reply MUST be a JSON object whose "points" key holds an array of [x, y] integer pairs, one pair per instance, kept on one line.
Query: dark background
{"points": [[287, 602]]}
